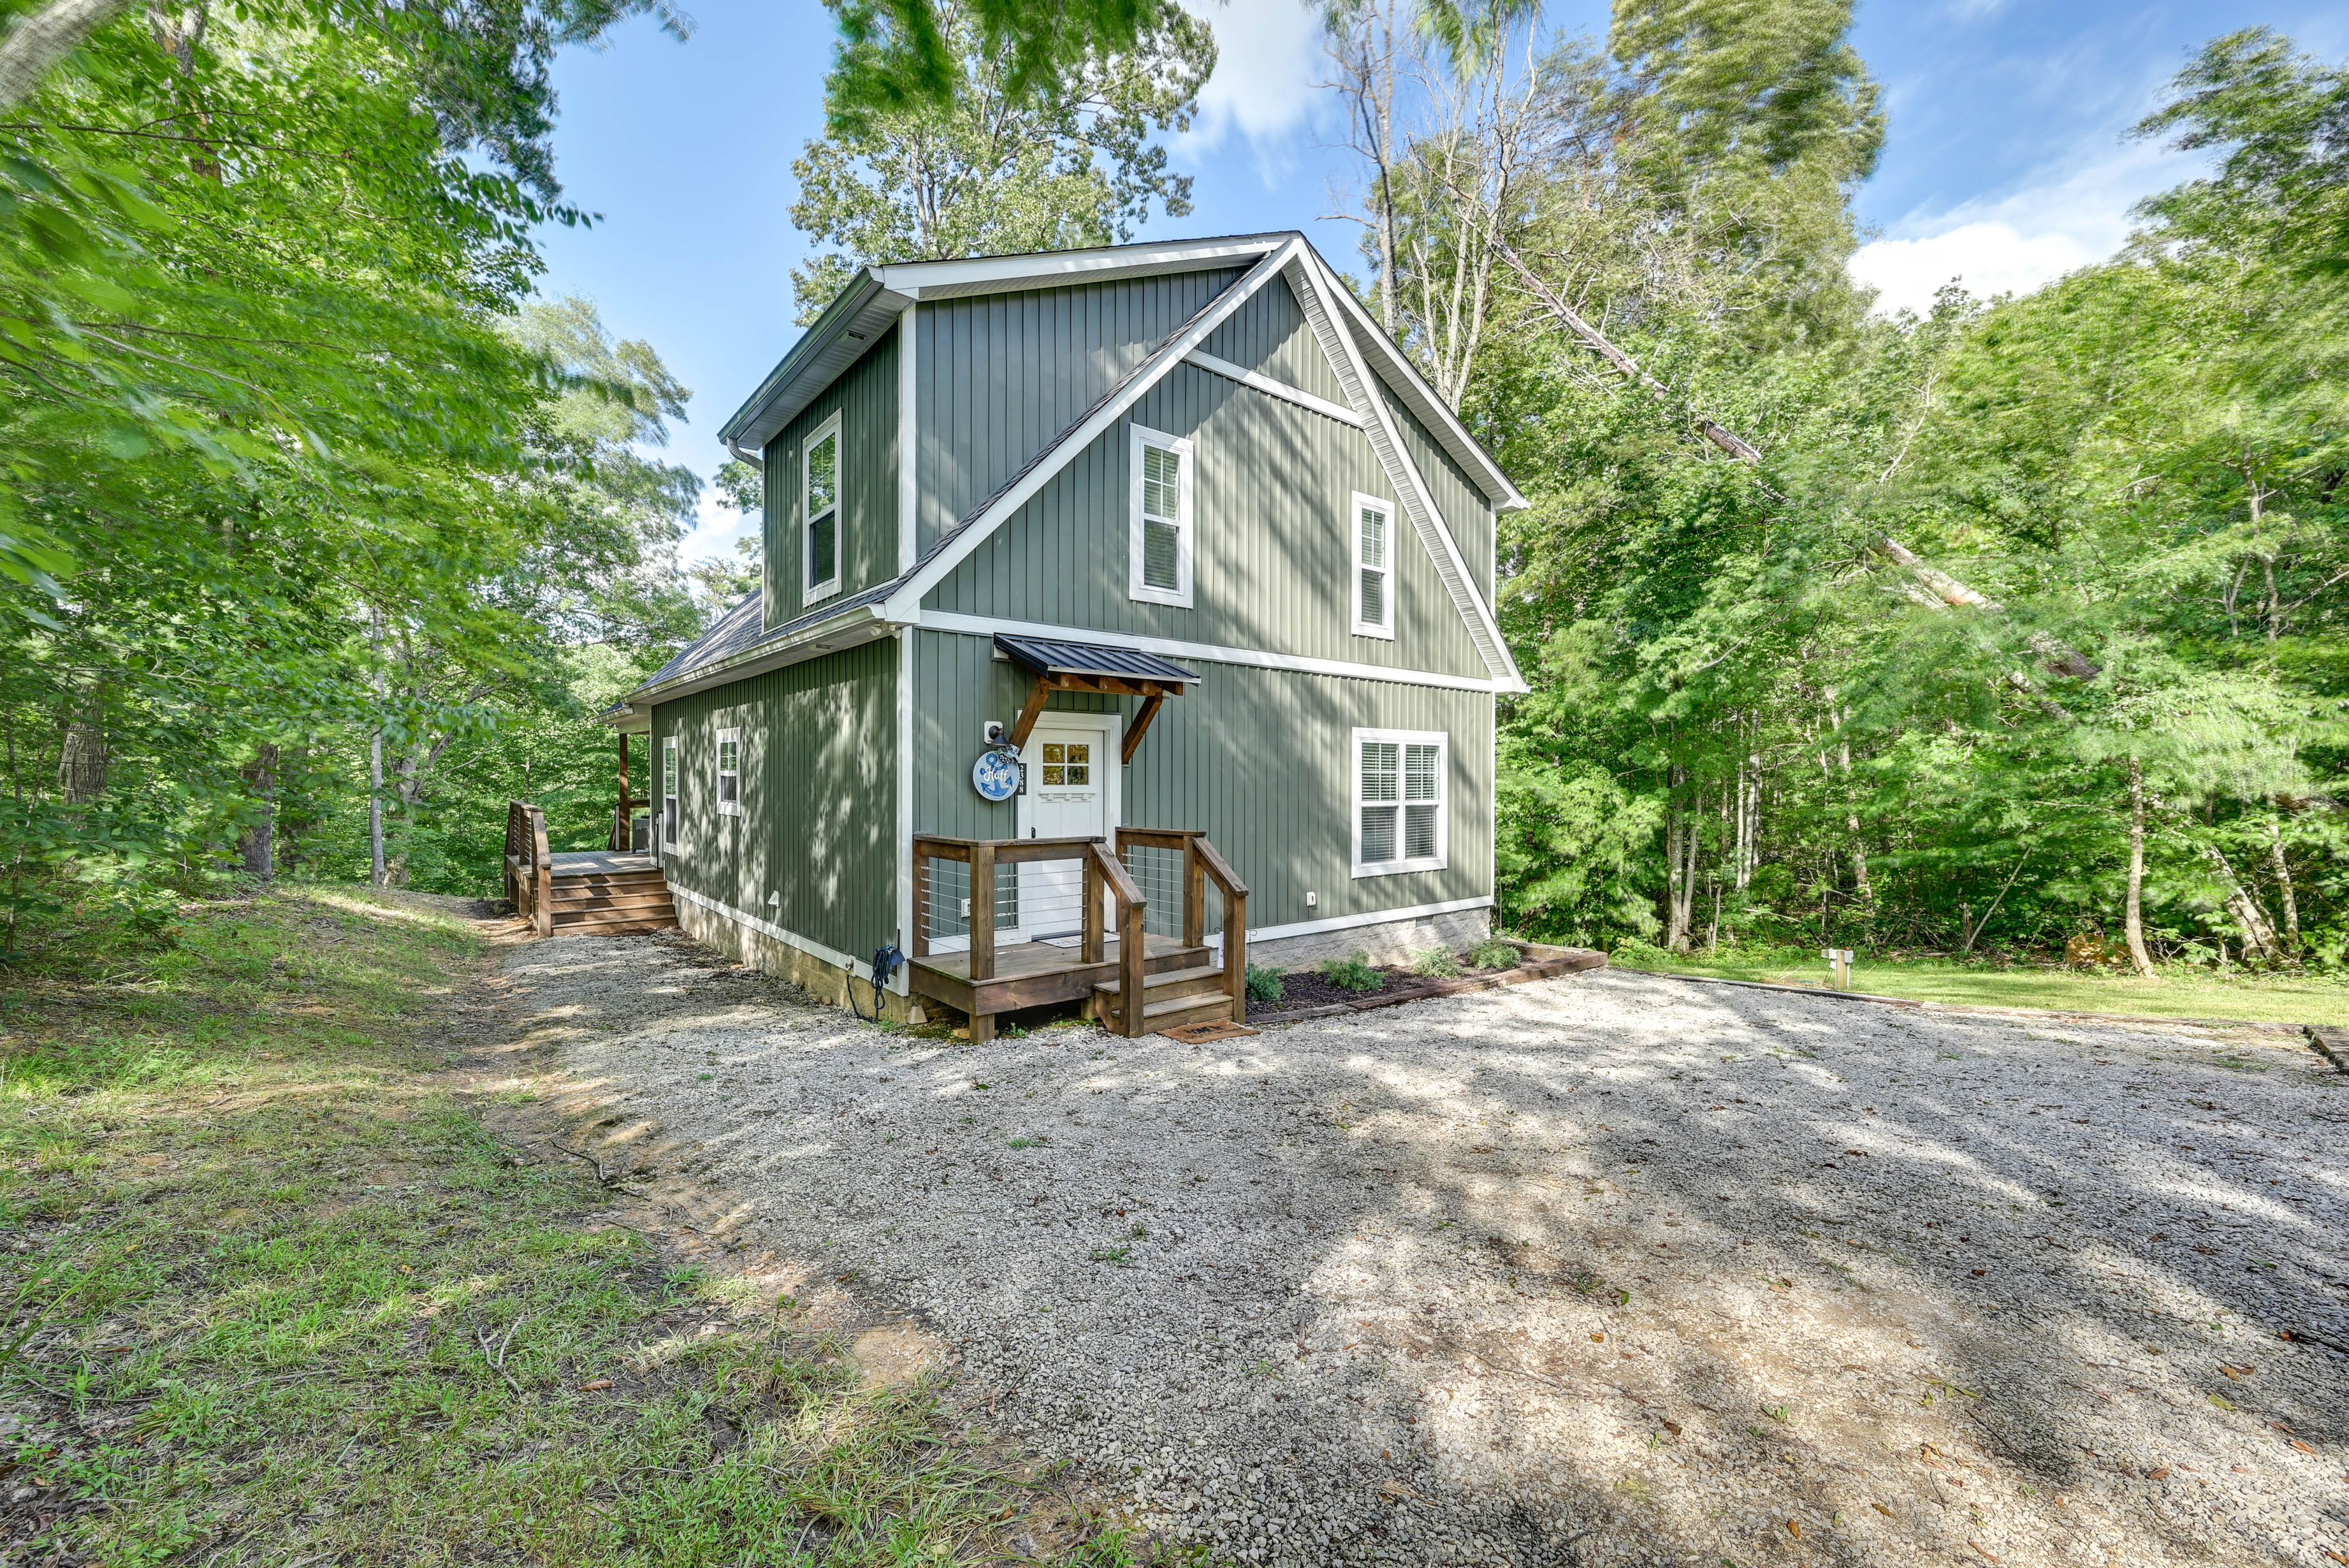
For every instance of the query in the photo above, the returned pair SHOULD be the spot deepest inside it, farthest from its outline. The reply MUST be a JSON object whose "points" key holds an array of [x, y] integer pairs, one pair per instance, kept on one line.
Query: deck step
{"points": [[1196, 988], [1177, 1011], [625, 898], [614, 881], [1189, 981], [614, 924]]}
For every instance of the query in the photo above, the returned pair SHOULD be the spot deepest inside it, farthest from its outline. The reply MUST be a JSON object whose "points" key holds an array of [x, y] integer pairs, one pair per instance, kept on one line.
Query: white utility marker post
{"points": [[1839, 962]]}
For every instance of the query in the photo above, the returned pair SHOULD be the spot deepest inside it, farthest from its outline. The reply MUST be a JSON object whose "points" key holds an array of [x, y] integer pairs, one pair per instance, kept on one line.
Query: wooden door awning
{"points": [[1090, 666]]}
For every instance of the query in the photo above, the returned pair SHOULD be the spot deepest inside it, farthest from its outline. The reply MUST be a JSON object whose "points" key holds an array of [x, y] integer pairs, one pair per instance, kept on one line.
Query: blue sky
{"points": [[2006, 163]]}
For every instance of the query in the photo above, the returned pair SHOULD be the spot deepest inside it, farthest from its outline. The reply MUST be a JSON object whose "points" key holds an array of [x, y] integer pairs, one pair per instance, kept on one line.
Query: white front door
{"points": [[1072, 793]]}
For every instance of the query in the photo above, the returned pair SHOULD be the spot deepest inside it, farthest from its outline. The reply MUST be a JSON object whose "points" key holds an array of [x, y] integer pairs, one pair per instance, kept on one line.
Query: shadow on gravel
{"points": [[1606, 1269]]}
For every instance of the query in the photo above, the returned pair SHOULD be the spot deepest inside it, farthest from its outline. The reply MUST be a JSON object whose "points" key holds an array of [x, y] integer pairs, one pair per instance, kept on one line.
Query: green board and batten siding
{"points": [[819, 822], [998, 376], [866, 398], [1257, 759]]}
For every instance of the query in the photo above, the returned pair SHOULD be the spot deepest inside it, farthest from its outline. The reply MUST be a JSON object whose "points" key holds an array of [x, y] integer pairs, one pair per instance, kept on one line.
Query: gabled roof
{"points": [[1369, 365]]}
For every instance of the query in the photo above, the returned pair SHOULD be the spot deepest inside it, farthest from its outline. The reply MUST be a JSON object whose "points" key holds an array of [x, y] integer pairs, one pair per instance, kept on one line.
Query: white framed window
{"points": [[819, 513], [729, 772], [668, 791], [1162, 518], [1400, 791], [1374, 531]]}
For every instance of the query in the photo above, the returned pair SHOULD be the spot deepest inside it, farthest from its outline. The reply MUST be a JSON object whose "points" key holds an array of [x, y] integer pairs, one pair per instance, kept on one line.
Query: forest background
{"points": [[2006, 628]]}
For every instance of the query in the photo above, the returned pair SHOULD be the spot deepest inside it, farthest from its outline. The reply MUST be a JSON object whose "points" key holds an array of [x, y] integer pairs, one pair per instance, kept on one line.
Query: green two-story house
{"points": [[1177, 527]]}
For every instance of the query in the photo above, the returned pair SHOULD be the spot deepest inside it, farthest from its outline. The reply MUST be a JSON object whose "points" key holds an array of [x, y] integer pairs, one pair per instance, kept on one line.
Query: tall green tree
{"points": [[1008, 161]]}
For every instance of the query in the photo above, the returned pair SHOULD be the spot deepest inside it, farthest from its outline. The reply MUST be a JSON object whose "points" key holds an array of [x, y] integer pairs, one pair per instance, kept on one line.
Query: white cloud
{"points": [[1267, 59], [2063, 218], [716, 527]]}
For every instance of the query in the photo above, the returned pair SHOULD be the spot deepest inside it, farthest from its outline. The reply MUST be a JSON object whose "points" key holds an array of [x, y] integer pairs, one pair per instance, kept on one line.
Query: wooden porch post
{"points": [[982, 931]]}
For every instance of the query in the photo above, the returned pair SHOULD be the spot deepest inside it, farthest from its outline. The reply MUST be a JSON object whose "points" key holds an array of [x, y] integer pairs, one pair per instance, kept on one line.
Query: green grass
{"points": [[2179, 994], [278, 1296]]}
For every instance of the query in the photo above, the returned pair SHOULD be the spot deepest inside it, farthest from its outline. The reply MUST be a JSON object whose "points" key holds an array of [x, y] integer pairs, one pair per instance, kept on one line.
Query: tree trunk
{"points": [[81, 765], [2252, 921], [2284, 887], [256, 845], [38, 42], [2132, 921]]}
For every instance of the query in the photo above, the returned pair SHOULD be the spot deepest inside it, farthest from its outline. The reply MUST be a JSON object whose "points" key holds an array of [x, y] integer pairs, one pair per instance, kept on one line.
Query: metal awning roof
{"points": [[1050, 657]]}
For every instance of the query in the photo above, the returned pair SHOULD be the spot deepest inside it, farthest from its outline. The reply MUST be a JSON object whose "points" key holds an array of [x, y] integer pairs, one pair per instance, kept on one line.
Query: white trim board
{"points": [[1267, 384], [1352, 921], [856, 967], [1207, 653], [906, 603]]}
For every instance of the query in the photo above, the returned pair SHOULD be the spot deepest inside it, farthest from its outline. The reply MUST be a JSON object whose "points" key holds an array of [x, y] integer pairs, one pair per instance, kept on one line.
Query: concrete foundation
{"points": [[821, 978], [1390, 941]]}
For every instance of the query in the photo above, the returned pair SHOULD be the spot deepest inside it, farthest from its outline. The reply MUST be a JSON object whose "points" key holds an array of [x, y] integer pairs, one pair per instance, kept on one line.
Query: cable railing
{"points": [[974, 900]]}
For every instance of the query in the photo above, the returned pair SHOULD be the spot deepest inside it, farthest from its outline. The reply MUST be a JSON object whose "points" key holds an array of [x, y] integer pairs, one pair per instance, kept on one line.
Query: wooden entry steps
{"points": [[602, 893], [1170, 998]]}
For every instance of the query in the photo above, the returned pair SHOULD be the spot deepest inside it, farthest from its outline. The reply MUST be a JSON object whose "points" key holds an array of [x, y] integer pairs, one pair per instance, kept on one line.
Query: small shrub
{"points": [[1353, 974], [1437, 963], [1493, 953], [1264, 984]]}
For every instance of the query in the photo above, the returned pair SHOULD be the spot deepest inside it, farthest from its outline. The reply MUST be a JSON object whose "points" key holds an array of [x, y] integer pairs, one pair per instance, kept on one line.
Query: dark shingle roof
{"points": [[738, 631]]}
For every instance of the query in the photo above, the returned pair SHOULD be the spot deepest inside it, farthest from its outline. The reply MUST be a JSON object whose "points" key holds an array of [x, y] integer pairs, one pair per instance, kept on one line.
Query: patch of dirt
{"points": [[1610, 1268]]}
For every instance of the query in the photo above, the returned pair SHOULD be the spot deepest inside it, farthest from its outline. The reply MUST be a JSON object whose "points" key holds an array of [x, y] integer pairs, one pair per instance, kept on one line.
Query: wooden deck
{"points": [[599, 862], [1033, 974]]}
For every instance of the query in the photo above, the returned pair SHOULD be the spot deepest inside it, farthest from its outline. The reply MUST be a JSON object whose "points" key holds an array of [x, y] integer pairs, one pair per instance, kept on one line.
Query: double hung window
{"points": [[1400, 790], [1373, 532], [729, 772], [819, 506], [1162, 541], [668, 792]]}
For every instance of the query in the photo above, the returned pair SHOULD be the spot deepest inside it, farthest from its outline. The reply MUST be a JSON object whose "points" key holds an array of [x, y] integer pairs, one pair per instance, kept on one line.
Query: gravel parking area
{"points": [[1607, 1269]]}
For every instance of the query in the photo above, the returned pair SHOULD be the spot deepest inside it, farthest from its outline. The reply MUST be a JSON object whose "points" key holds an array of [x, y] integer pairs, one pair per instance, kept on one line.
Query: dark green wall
{"points": [[819, 791], [866, 398], [1258, 760], [998, 376], [1274, 557]]}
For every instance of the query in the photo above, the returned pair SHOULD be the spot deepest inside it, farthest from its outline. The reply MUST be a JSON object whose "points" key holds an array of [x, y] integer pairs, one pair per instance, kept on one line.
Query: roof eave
{"points": [[867, 300], [859, 623]]}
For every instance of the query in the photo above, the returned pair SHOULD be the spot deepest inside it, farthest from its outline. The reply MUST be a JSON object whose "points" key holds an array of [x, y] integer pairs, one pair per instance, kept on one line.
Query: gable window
{"points": [[668, 792], [1374, 531], [820, 505], [1398, 800], [729, 772], [1162, 519]]}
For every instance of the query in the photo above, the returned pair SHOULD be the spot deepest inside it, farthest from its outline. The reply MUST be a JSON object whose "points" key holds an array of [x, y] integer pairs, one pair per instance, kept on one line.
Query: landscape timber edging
{"points": [[1550, 963], [2332, 1044]]}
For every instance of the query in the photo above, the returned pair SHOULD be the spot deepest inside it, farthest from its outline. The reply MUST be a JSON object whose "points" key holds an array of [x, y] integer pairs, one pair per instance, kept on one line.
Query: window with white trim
{"points": [[1400, 790], [668, 791], [819, 509], [1162, 519], [1374, 531], [729, 772]]}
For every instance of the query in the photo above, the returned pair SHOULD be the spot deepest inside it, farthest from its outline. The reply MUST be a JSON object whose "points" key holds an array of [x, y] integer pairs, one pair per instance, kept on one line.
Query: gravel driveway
{"points": [[1608, 1269]]}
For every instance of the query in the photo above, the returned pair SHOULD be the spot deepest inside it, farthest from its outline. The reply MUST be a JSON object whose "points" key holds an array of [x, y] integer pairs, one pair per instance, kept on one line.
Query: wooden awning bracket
{"points": [[1153, 693]]}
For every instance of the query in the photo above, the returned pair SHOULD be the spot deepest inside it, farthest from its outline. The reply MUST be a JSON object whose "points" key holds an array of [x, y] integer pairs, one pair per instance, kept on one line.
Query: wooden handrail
{"points": [[529, 866], [1206, 858]]}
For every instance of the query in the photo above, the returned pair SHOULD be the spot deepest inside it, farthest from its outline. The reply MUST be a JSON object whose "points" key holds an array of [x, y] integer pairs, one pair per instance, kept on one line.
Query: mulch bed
{"points": [[1308, 993]]}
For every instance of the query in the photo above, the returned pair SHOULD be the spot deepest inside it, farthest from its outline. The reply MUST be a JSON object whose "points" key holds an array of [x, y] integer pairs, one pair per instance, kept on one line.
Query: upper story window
{"points": [[729, 772], [1398, 800], [820, 505], [1162, 518], [668, 792], [1374, 531]]}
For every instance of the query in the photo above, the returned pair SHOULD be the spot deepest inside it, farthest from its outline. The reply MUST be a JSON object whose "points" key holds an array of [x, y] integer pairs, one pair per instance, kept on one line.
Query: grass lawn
{"points": [[2179, 994], [275, 1294]]}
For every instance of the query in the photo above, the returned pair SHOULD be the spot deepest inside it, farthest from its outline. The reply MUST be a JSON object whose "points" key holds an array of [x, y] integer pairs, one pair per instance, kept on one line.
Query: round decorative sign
{"points": [[995, 775]]}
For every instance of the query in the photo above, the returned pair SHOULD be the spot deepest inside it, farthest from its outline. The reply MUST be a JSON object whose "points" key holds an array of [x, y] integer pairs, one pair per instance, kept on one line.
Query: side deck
{"points": [[601, 892]]}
